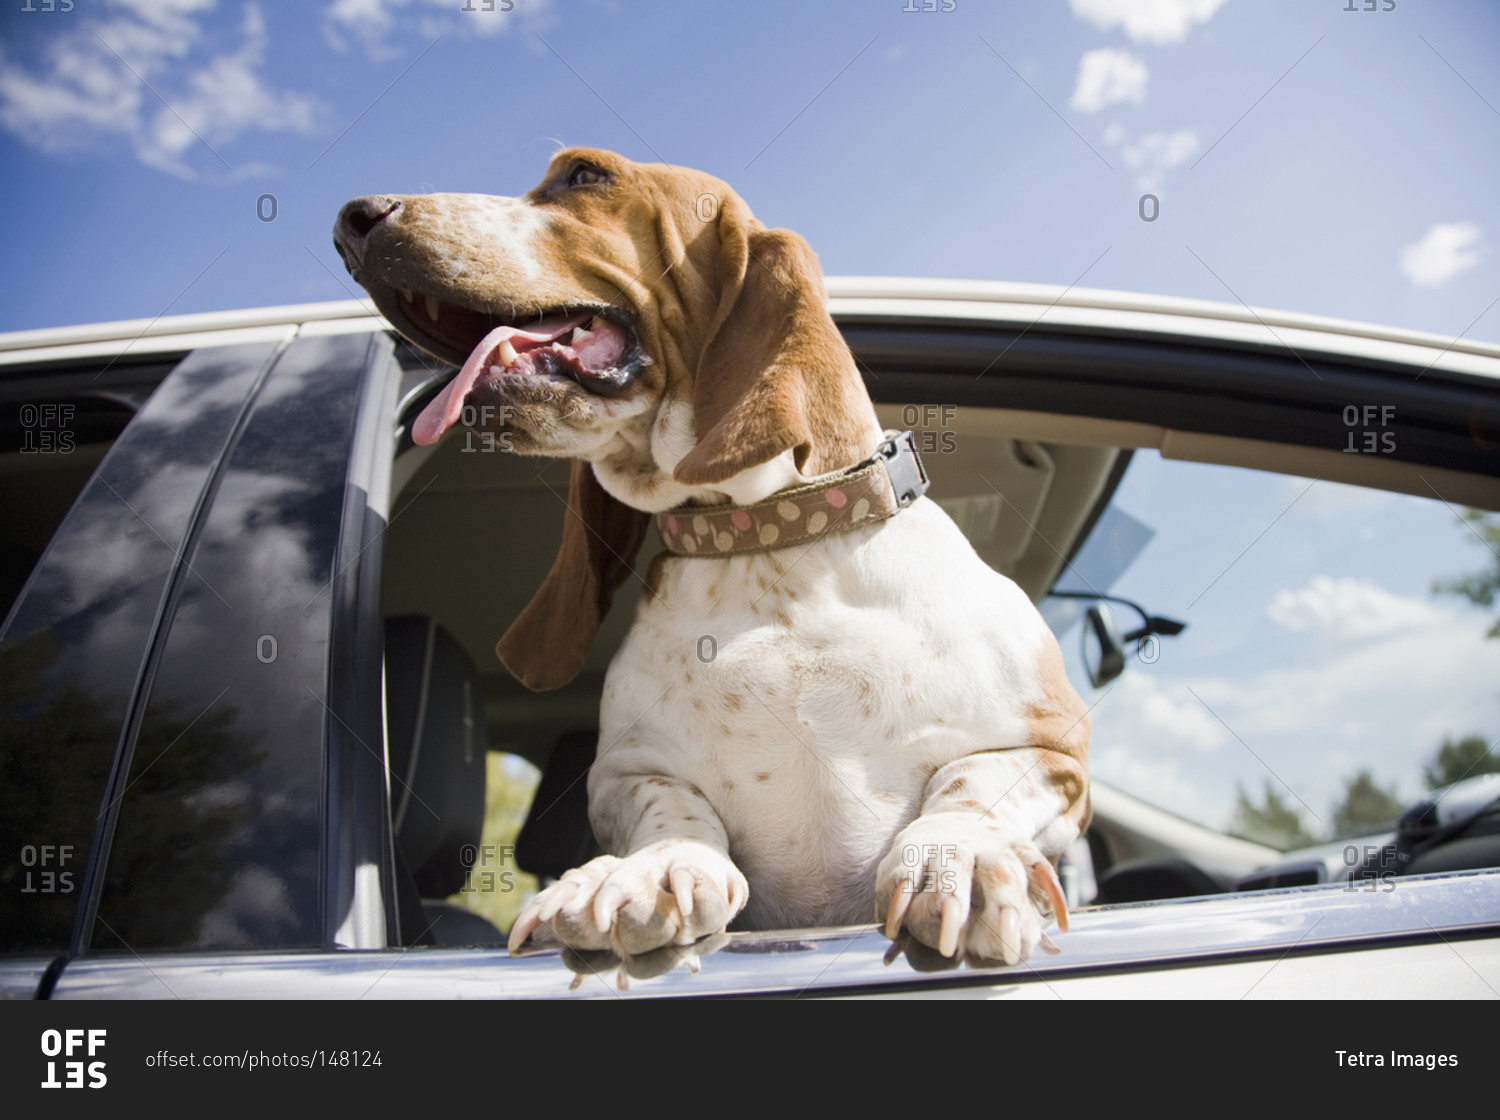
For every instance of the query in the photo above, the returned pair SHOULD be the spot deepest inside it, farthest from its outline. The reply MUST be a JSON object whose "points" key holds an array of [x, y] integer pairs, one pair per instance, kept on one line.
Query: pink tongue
{"points": [[448, 405]]}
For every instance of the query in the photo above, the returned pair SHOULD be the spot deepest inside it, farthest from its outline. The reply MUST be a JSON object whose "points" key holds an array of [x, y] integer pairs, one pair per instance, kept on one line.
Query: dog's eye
{"points": [[586, 174]]}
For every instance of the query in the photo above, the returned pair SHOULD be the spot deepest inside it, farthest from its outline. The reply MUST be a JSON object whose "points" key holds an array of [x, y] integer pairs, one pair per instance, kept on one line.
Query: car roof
{"points": [[851, 298]]}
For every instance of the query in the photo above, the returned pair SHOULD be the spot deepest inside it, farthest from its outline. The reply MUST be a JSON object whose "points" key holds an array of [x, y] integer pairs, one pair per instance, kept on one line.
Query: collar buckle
{"points": [[903, 464]]}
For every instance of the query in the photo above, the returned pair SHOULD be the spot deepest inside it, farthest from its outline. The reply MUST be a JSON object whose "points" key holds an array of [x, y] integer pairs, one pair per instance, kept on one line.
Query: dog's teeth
{"points": [[432, 308], [496, 371], [558, 346], [408, 295], [507, 353], [594, 323], [579, 334]]}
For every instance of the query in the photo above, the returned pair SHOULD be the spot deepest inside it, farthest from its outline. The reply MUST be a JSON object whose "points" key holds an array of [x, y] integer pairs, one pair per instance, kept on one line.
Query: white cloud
{"points": [[1106, 76], [1159, 781], [1444, 251], [85, 89], [373, 21], [224, 98], [1147, 21], [1147, 714], [1383, 696], [1352, 610], [1154, 154]]}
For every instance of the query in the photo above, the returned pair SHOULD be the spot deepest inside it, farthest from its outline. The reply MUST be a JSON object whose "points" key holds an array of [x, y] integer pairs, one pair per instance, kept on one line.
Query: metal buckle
{"points": [[904, 467]]}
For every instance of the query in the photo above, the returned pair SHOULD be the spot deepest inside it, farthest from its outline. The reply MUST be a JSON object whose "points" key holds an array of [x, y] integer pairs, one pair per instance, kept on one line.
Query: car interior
{"points": [[473, 530]]}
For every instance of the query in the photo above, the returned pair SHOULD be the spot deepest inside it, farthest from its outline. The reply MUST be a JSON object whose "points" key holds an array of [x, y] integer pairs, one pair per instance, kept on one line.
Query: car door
{"points": [[192, 726]]}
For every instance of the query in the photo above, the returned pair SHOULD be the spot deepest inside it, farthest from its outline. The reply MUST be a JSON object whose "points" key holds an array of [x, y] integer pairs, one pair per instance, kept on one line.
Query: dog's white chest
{"points": [[810, 696]]}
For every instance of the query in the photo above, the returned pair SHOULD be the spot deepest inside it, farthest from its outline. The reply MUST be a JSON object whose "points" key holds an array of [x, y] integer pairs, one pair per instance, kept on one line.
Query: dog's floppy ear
{"points": [[775, 374], [549, 641]]}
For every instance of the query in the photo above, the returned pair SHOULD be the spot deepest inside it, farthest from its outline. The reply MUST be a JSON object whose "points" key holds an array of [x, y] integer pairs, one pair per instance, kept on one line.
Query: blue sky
{"points": [[1297, 148], [1304, 157]]}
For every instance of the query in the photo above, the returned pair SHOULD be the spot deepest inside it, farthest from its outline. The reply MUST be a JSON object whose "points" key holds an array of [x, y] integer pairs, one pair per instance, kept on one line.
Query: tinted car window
{"points": [[73, 648]]}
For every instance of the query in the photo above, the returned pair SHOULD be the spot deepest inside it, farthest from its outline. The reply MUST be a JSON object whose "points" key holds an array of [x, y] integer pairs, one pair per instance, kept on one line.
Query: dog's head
{"points": [[635, 318]]}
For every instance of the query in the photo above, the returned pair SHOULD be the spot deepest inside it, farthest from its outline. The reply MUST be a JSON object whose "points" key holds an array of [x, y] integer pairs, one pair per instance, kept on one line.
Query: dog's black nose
{"points": [[356, 220]]}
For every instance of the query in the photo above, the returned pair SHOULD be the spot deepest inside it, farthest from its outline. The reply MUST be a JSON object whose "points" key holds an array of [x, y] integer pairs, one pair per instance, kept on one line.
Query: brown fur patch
{"points": [[1059, 720]]}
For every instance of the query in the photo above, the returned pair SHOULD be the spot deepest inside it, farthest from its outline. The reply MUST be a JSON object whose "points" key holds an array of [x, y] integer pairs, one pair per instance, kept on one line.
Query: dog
{"points": [[828, 709]]}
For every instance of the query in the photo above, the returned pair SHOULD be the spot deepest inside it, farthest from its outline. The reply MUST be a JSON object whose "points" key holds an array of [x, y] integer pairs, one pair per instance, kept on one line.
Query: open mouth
{"points": [[594, 346]]}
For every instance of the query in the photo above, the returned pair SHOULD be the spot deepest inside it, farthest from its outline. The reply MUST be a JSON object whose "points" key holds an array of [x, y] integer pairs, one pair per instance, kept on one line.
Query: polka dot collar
{"points": [[887, 482]]}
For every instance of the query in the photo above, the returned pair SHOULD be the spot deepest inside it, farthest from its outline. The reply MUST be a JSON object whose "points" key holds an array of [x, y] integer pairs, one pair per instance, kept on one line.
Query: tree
{"points": [[1466, 758], [1366, 807], [1273, 823], [1479, 587]]}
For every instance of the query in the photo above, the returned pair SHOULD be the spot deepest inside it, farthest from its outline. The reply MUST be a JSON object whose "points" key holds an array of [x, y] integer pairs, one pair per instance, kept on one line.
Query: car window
{"points": [[100, 473], [1332, 670], [57, 423], [1323, 665]]}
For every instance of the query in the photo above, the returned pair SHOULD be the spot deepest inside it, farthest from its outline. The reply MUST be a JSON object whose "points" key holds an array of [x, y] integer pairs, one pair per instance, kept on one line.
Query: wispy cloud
{"points": [[1106, 76], [380, 24], [1147, 21], [1352, 610], [151, 76], [1154, 154], [1444, 251]]}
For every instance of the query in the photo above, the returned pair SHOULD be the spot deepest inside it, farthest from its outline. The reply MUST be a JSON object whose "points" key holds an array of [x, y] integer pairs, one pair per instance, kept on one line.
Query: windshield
{"points": [[1332, 670]]}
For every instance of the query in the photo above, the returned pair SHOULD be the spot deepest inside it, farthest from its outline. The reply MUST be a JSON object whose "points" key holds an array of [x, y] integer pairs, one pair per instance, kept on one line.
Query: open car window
{"points": [[1332, 672], [1329, 674]]}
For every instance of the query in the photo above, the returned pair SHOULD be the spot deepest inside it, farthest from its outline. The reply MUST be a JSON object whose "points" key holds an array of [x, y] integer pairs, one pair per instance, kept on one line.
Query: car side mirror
{"points": [[1103, 649]]}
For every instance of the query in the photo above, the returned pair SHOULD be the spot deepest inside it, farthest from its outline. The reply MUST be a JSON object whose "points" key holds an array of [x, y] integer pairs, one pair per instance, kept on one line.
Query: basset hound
{"points": [[884, 731]]}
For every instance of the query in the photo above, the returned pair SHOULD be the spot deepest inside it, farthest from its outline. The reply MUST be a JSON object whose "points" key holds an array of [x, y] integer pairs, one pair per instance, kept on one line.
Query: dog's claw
{"points": [[530, 918], [682, 889], [953, 920], [1047, 879], [606, 902], [1010, 934], [900, 902]]}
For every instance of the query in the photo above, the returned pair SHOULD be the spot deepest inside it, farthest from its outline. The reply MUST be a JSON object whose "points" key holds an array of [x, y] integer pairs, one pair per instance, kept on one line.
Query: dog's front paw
{"points": [[961, 885], [671, 893]]}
